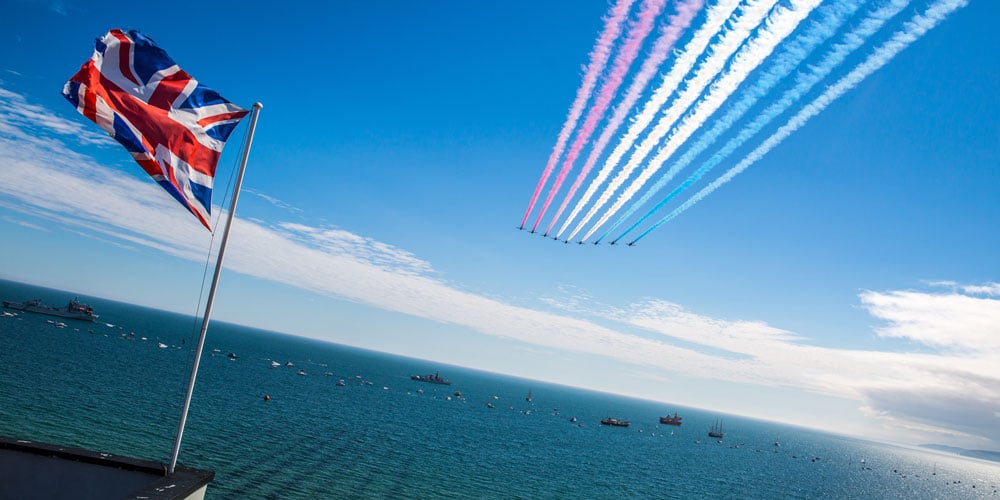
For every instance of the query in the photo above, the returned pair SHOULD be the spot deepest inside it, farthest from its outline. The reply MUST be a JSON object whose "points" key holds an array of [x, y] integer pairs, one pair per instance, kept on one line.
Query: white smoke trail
{"points": [[714, 19], [679, 22], [751, 16], [912, 31], [805, 81], [781, 23]]}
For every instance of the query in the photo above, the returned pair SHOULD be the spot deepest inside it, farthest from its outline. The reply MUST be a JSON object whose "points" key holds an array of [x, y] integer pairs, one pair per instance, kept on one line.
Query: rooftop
{"points": [[37, 470]]}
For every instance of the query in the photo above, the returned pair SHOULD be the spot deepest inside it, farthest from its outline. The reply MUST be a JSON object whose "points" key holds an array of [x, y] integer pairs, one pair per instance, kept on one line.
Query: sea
{"points": [[342, 422]]}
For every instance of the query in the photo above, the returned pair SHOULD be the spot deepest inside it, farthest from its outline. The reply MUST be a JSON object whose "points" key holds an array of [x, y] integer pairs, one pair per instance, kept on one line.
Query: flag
{"points": [[174, 126]]}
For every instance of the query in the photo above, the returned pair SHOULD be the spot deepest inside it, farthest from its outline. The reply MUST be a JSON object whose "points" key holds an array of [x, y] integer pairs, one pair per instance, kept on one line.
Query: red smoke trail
{"points": [[598, 59], [619, 68], [678, 23]]}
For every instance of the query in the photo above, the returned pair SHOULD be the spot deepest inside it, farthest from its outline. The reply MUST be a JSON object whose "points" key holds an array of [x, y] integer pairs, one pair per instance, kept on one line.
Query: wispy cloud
{"points": [[991, 289], [24, 223], [272, 200], [955, 329], [952, 321], [16, 114]]}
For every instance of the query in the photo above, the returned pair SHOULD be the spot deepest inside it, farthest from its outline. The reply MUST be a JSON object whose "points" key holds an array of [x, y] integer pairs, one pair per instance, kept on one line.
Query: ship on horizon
{"points": [[434, 379], [614, 422], [672, 420], [73, 310], [716, 430]]}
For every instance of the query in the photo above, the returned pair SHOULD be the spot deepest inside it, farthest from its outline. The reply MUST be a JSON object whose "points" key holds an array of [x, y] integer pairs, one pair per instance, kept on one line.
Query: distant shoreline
{"points": [[993, 456]]}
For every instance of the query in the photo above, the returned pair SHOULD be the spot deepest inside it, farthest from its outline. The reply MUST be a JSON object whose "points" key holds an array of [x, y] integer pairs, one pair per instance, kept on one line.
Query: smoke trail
{"points": [[619, 68], [779, 25], [714, 18], [598, 58], [669, 35], [804, 83], [913, 30], [752, 14], [830, 19]]}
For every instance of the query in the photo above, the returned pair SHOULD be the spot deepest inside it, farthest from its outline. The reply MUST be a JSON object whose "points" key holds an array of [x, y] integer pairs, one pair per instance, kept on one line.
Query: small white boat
{"points": [[302, 372], [161, 345], [275, 364]]}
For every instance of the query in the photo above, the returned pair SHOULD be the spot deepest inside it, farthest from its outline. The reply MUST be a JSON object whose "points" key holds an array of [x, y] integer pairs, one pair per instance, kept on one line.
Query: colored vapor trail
{"points": [[598, 59], [913, 30], [744, 64], [751, 16], [676, 26], [831, 18], [714, 18], [780, 24], [619, 68]]}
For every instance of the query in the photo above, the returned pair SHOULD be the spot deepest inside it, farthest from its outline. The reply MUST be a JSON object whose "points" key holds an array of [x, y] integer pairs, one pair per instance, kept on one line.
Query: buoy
{"points": [[267, 397]]}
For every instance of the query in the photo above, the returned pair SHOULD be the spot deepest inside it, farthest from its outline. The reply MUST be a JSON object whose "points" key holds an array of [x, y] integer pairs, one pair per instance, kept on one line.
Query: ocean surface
{"points": [[109, 386]]}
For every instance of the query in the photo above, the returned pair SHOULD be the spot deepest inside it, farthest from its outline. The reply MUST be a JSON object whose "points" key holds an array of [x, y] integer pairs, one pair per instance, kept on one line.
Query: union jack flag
{"points": [[174, 126]]}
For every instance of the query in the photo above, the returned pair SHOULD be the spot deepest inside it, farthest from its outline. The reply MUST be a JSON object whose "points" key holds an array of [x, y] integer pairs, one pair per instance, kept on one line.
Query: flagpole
{"points": [[215, 283]]}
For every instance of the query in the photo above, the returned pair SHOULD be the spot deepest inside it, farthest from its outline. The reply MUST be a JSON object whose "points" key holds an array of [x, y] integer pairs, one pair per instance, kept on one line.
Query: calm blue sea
{"points": [[108, 386]]}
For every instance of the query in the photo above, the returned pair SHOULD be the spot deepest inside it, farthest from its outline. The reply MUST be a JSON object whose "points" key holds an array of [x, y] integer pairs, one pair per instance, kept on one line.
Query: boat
{"points": [[73, 310], [275, 364], [674, 420], [434, 379], [615, 422], [528, 397], [716, 430]]}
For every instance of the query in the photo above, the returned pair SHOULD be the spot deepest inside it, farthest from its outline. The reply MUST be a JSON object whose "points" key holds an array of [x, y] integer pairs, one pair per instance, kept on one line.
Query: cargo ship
{"points": [[73, 310]]}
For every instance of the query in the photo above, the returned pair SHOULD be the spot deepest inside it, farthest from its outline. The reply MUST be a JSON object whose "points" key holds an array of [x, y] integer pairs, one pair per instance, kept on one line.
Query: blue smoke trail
{"points": [[913, 30], [804, 83], [830, 19], [725, 42], [780, 24]]}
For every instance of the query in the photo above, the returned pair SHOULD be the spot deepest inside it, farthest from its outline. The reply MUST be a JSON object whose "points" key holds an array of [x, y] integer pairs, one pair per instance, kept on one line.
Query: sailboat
{"points": [[528, 397], [716, 430]]}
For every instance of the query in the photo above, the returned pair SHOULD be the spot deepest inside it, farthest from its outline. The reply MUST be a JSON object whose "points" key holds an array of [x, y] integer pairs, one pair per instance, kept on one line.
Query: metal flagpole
{"points": [[215, 283]]}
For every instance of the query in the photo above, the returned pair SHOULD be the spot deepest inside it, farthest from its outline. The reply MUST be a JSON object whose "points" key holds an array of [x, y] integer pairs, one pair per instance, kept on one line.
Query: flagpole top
{"points": [[257, 105]]}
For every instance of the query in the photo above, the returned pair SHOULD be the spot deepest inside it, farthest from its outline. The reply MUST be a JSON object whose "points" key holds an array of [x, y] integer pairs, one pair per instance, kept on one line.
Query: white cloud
{"points": [[272, 200], [949, 320], [17, 115], [991, 289]]}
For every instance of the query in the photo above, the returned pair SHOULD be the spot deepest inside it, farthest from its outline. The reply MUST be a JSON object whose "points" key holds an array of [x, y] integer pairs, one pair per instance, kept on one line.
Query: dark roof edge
{"points": [[184, 480]]}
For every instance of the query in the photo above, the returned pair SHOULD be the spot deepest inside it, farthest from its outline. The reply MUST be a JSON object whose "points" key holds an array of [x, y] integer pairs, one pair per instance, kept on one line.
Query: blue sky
{"points": [[848, 280]]}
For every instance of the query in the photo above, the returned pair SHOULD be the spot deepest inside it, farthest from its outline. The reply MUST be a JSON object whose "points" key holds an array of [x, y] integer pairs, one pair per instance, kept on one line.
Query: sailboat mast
{"points": [[215, 284]]}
